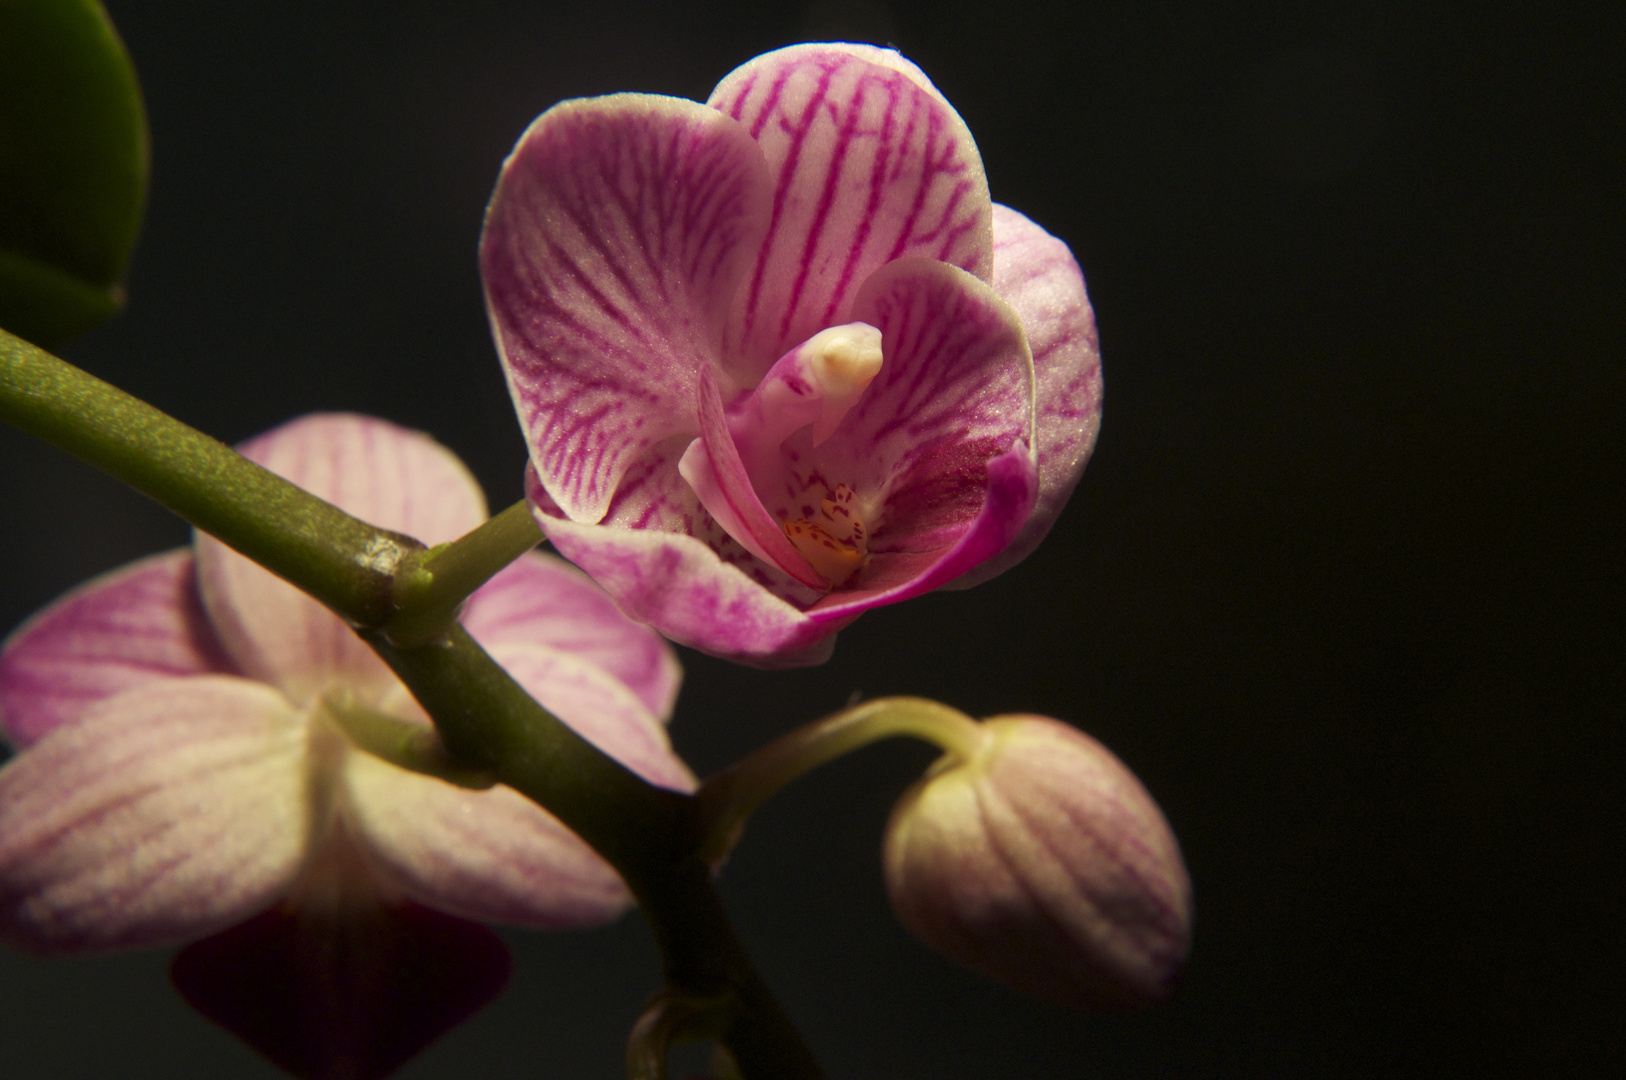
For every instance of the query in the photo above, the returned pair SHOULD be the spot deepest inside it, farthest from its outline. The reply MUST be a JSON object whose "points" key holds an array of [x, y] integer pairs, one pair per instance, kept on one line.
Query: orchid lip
{"points": [[738, 454]]}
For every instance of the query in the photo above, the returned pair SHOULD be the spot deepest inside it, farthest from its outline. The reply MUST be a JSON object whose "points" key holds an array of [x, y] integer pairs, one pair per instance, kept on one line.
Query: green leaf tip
{"points": [[73, 167]]}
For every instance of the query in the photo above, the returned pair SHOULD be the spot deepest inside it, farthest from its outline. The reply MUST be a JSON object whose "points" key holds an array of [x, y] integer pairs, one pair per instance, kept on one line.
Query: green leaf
{"points": [[73, 167]]}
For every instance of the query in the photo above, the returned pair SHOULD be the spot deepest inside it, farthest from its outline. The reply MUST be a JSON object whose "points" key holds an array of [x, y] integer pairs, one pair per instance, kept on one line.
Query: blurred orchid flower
{"points": [[185, 771], [778, 357]]}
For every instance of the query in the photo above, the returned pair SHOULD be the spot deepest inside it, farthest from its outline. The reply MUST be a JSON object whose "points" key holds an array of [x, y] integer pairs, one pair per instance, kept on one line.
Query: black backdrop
{"points": [[1343, 582]]}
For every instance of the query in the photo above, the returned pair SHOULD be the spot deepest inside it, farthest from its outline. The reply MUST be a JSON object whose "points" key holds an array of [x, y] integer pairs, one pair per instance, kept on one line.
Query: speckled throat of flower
{"points": [[834, 544], [772, 500]]}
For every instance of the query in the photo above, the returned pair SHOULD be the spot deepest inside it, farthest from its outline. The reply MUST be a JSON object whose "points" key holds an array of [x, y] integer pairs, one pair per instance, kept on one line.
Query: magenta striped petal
{"points": [[955, 391], [384, 474], [138, 624], [1037, 276], [613, 246], [873, 212], [684, 588], [542, 600], [163, 813], [938, 450], [869, 164]]}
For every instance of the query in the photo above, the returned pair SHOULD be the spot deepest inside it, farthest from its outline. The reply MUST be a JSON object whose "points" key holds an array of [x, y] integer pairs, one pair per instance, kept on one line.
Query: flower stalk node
{"points": [[430, 586]]}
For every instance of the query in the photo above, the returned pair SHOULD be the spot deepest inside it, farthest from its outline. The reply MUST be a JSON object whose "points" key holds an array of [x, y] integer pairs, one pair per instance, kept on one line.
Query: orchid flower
{"points": [[778, 358], [191, 763]]}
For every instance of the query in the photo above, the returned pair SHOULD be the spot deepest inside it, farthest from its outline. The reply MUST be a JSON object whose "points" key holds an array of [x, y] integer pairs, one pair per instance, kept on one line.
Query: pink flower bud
{"points": [[1043, 863]]}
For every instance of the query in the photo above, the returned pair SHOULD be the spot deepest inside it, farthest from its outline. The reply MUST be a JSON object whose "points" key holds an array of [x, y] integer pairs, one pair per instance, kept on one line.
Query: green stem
{"points": [[728, 798], [485, 720], [414, 747], [488, 721], [429, 592], [345, 563], [701, 955]]}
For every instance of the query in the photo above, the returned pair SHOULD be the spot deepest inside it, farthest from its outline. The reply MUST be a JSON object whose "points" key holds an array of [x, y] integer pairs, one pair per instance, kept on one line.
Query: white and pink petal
{"points": [[543, 600], [138, 624], [386, 475], [613, 248], [681, 586], [598, 707], [161, 814], [492, 856], [869, 164], [1038, 277]]}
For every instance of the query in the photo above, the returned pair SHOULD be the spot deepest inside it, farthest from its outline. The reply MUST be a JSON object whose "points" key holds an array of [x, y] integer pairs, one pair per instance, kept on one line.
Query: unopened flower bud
{"points": [[1042, 862]]}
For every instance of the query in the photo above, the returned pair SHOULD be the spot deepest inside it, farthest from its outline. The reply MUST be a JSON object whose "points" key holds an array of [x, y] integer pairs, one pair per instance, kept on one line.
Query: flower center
{"points": [[836, 544], [741, 453]]}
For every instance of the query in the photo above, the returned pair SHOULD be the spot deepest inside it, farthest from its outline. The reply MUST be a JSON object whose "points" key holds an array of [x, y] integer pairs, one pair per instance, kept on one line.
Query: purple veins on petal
{"points": [[870, 166], [1036, 274], [131, 715], [139, 623], [613, 245], [102, 844], [865, 200]]}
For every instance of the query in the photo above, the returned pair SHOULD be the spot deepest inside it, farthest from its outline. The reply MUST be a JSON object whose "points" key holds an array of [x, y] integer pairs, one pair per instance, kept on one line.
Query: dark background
{"points": [[1343, 583]]}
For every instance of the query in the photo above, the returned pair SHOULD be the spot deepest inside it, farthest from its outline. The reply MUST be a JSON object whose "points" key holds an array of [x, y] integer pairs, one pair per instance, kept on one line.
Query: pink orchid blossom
{"points": [[778, 357], [181, 770]]}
